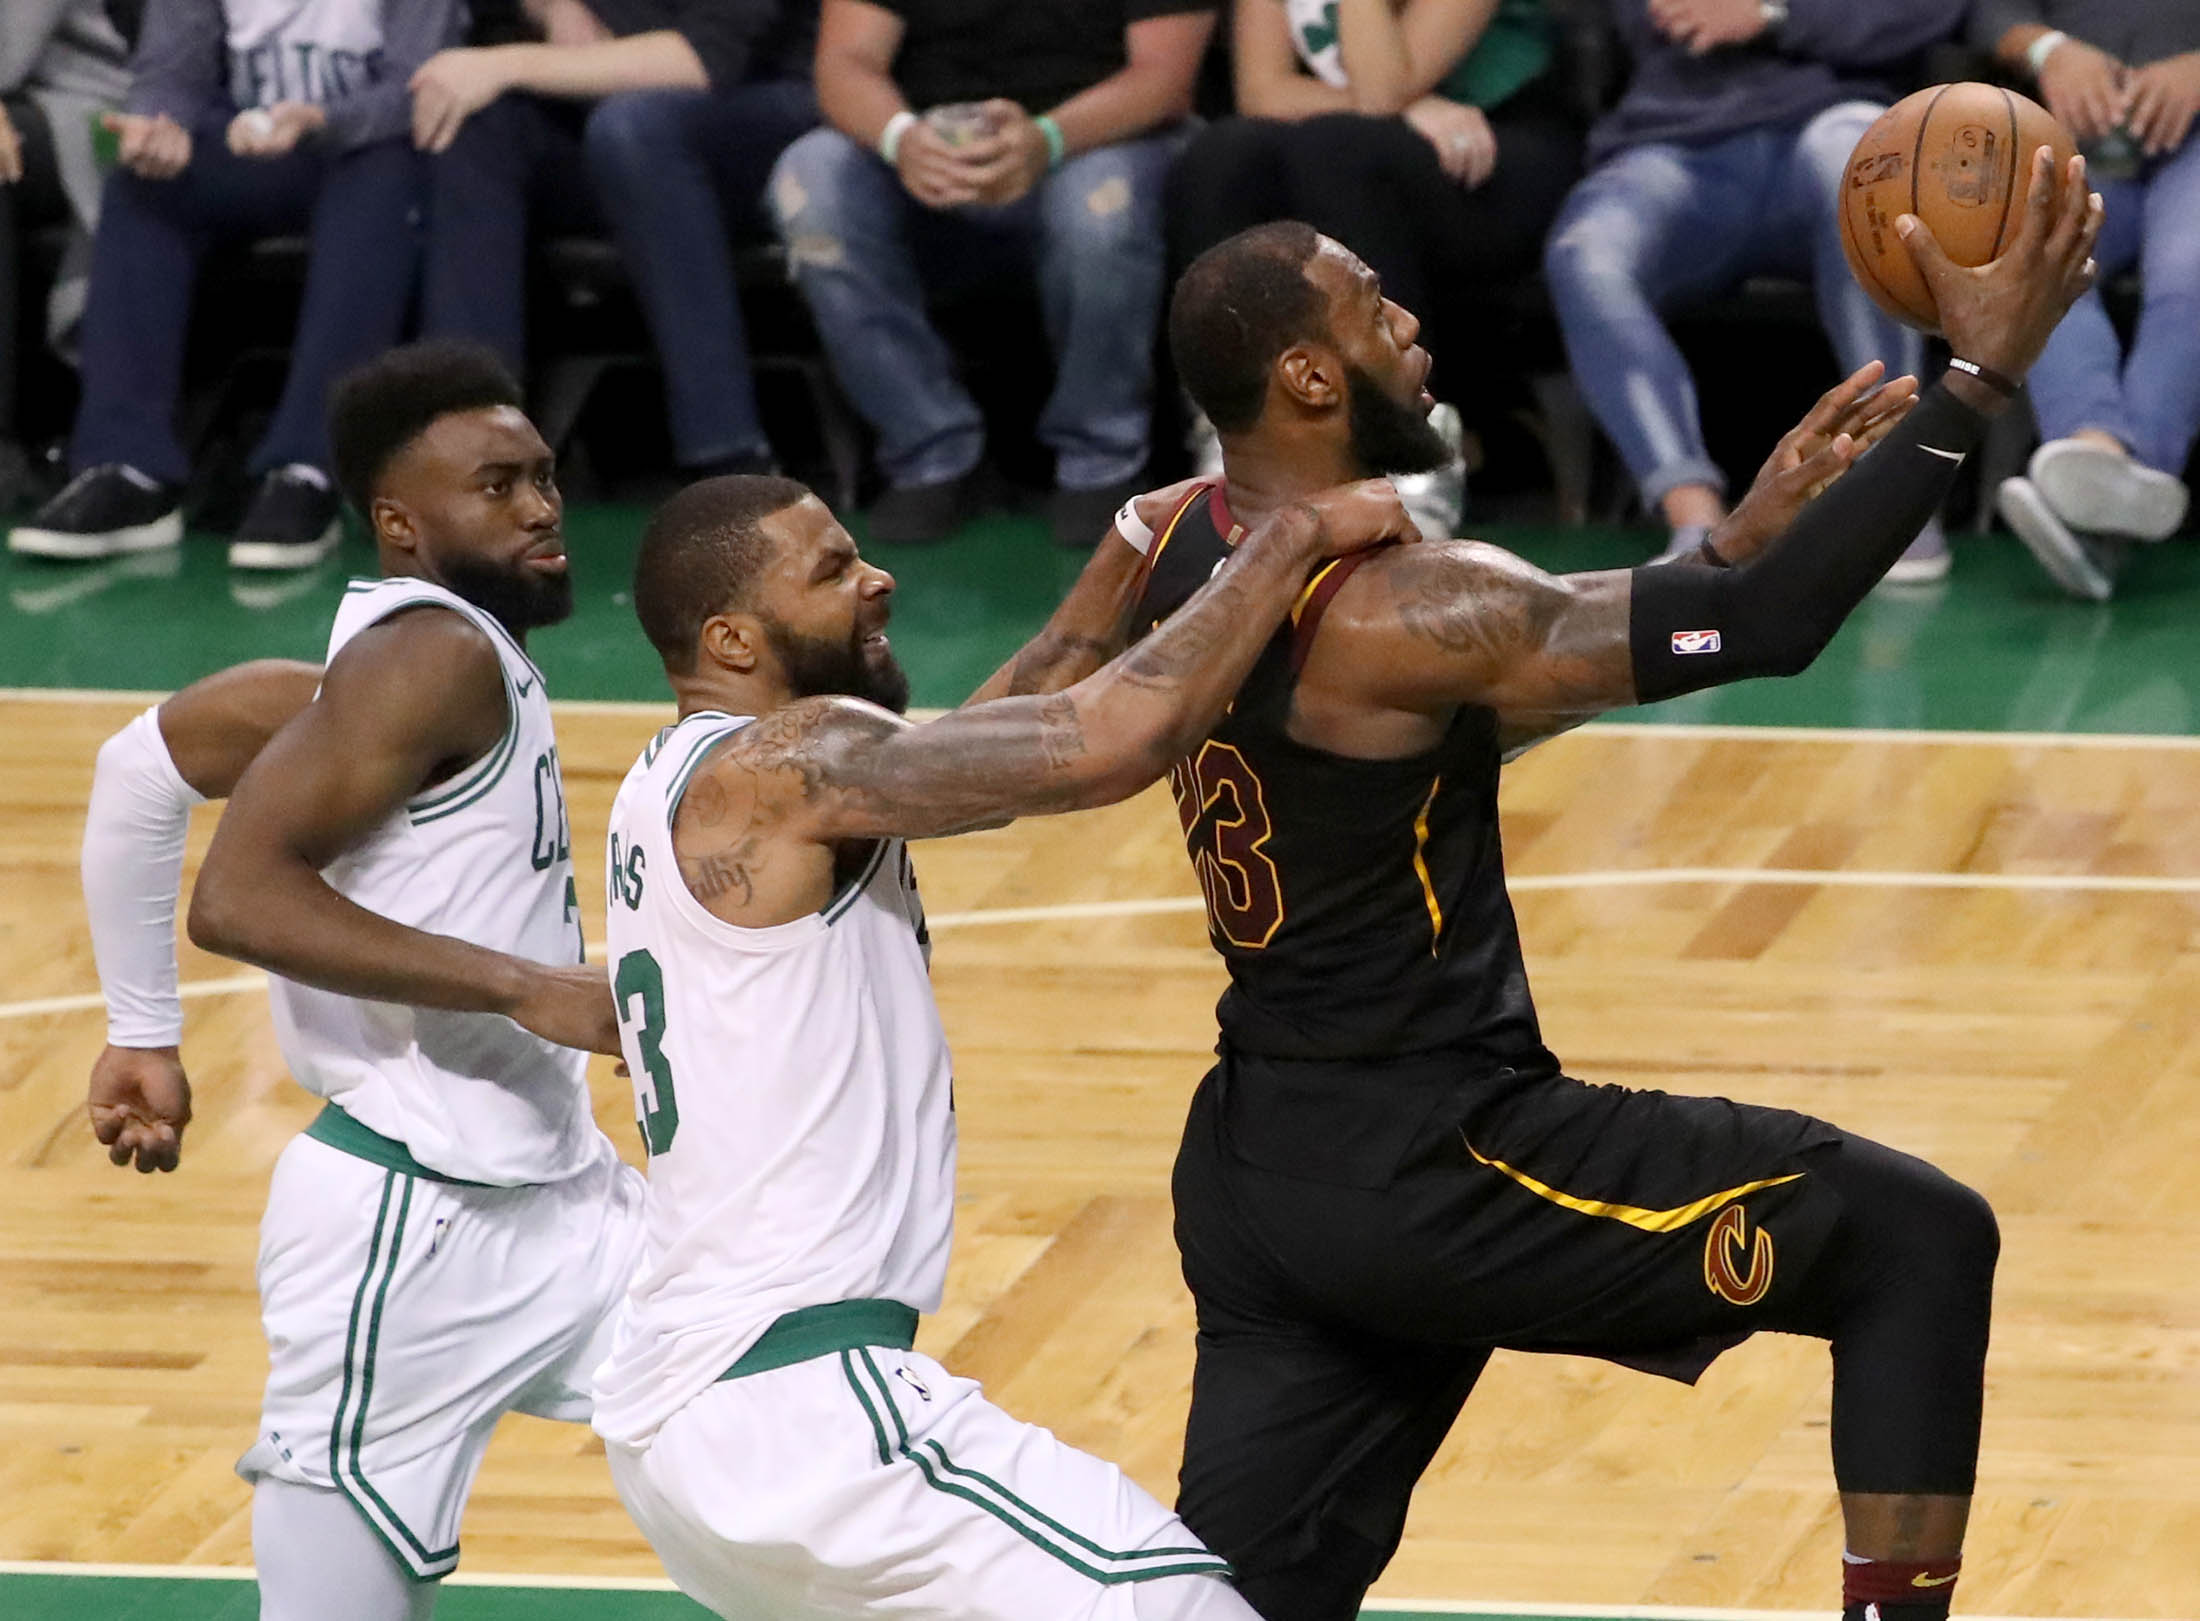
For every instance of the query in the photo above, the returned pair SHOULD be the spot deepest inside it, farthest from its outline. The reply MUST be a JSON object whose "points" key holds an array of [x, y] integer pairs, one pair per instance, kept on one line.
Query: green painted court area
{"points": [[1993, 648], [156, 1598]]}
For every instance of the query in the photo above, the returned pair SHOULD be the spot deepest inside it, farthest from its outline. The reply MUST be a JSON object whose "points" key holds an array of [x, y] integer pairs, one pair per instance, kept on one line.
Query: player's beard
{"points": [[515, 596], [820, 666], [1388, 437]]}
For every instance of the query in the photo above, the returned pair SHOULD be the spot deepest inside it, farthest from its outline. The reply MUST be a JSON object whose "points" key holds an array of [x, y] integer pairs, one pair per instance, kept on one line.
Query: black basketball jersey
{"points": [[1360, 904]]}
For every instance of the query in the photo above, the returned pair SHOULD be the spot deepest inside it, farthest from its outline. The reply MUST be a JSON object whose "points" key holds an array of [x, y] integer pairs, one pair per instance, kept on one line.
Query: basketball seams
{"points": [[2009, 191]]}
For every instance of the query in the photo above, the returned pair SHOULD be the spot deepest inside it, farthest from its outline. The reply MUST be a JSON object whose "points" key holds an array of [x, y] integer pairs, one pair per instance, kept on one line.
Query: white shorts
{"points": [[873, 1481], [404, 1316]]}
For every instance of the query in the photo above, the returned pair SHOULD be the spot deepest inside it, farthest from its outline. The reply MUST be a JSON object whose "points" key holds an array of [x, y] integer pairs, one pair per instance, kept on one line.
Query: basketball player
{"points": [[769, 1427], [446, 1241], [1387, 1175]]}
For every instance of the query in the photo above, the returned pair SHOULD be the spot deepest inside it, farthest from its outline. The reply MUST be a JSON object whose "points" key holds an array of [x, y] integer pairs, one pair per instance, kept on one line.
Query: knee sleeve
{"points": [[1904, 1292]]}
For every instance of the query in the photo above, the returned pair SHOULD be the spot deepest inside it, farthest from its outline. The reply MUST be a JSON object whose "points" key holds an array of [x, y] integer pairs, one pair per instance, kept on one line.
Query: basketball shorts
{"points": [[1359, 1239], [871, 1481], [405, 1315]]}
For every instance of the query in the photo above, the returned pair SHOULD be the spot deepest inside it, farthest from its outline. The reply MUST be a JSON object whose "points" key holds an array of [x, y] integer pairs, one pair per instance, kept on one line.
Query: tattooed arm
{"points": [[755, 834], [1093, 623]]}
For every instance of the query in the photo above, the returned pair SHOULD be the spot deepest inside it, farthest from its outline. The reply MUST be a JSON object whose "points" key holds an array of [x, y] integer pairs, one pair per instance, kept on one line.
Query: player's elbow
{"points": [[221, 916]]}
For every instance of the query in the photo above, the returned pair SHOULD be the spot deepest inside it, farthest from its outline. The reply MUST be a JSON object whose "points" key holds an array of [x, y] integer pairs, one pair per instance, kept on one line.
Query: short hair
{"points": [[1240, 305], [701, 555], [379, 409]]}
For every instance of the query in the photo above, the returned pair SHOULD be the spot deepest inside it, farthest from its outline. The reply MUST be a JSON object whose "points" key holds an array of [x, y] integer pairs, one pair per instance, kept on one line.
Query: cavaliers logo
{"points": [[1730, 1244]]}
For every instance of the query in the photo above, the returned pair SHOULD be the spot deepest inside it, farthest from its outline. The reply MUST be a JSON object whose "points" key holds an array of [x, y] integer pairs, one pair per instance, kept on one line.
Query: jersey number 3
{"points": [[1225, 815], [656, 1107]]}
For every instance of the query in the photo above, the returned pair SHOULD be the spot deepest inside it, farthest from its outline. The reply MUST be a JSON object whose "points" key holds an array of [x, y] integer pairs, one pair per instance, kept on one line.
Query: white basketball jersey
{"points": [[793, 1086], [484, 857]]}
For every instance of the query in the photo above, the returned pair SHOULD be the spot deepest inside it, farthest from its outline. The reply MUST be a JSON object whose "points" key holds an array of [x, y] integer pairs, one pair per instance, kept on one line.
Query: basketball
{"points": [[1957, 156]]}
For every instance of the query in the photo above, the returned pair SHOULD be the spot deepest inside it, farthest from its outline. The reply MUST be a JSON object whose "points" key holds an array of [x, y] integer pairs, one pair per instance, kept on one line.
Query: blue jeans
{"points": [[865, 253], [674, 169], [2149, 399], [1659, 224], [362, 208]]}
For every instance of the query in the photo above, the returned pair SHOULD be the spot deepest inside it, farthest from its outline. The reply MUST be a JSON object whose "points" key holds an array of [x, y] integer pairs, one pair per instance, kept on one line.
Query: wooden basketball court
{"points": [[1984, 949]]}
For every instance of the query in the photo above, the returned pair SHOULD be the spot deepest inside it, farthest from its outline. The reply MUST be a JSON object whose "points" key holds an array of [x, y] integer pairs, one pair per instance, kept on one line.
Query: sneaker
{"points": [[1078, 518], [918, 514], [1204, 444], [2094, 488], [1437, 500], [1684, 543], [1925, 561], [296, 518], [2084, 568], [104, 511]]}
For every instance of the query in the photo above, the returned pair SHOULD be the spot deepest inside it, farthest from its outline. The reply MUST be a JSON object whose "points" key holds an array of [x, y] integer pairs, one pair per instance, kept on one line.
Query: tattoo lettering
{"points": [[709, 877], [1061, 733]]}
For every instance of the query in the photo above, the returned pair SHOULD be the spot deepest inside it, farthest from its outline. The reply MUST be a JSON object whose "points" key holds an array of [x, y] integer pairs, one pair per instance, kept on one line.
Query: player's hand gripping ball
{"points": [[1955, 155]]}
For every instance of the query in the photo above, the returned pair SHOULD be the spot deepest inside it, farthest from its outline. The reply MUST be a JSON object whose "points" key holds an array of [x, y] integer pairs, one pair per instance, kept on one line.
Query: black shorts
{"points": [[1358, 1239]]}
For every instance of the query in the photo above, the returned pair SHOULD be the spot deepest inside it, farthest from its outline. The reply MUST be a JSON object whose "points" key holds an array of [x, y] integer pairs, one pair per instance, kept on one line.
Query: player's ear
{"points": [[393, 524], [733, 642], [1312, 375]]}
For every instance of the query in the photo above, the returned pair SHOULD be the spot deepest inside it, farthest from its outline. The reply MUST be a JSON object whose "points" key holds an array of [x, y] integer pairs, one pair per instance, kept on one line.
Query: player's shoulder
{"points": [[807, 736], [1156, 507], [1453, 570]]}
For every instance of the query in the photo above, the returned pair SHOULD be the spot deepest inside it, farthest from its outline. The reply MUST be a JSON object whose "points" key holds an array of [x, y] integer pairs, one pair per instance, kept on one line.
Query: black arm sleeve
{"points": [[1691, 628]]}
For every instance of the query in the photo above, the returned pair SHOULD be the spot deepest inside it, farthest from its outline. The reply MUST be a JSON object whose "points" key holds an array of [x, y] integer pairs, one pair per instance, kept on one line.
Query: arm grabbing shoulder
{"points": [[1093, 623]]}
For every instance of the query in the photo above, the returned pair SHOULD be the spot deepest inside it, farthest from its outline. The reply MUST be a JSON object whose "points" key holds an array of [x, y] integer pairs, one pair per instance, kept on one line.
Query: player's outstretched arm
{"points": [[1093, 623], [149, 775], [407, 703], [1471, 624], [846, 770]]}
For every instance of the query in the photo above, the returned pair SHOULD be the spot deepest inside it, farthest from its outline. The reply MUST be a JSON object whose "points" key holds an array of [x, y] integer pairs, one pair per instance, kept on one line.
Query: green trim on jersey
{"points": [[837, 907], [1041, 1530], [346, 1135], [422, 1563], [703, 746], [815, 1331]]}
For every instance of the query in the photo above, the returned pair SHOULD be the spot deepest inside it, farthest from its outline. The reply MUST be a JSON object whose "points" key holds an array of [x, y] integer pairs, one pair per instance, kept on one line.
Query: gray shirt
{"points": [[182, 69], [2135, 32]]}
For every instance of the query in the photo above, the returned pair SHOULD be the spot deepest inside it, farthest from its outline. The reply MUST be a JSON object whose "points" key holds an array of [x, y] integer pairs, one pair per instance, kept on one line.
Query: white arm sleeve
{"points": [[133, 869]]}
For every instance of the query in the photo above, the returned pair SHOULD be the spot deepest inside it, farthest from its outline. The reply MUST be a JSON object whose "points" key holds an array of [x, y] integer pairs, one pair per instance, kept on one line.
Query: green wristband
{"points": [[1057, 148]]}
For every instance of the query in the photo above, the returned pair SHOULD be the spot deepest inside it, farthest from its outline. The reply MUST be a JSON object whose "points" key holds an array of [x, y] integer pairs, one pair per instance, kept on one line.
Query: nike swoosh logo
{"points": [[1923, 1580], [1955, 456], [525, 687]]}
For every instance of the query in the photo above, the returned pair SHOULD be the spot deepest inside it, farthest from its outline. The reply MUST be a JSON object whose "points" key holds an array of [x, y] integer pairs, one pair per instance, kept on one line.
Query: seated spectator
{"points": [[61, 65], [2124, 77], [1439, 159], [307, 135], [1723, 160], [1046, 135], [660, 118]]}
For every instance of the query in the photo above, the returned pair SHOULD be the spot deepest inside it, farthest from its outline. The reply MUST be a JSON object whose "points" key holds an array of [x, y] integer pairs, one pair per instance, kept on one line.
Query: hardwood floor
{"points": [[2030, 1019]]}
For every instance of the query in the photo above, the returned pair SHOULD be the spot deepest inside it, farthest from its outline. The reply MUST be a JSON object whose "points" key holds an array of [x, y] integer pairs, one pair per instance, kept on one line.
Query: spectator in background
{"points": [[61, 66], [661, 118], [1723, 160], [1047, 131], [307, 134], [1422, 134], [2124, 77]]}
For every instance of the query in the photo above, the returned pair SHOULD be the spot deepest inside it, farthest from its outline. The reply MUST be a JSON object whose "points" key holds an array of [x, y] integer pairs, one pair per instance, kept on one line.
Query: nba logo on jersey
{"points": [[1695, 641]]}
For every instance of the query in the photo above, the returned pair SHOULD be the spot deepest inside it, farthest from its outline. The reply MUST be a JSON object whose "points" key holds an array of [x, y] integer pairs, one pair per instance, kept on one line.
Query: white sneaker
{"points": [[2081, 567], [1437, 500], [2097, 489], [1927, 560], [1205, 445]]}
